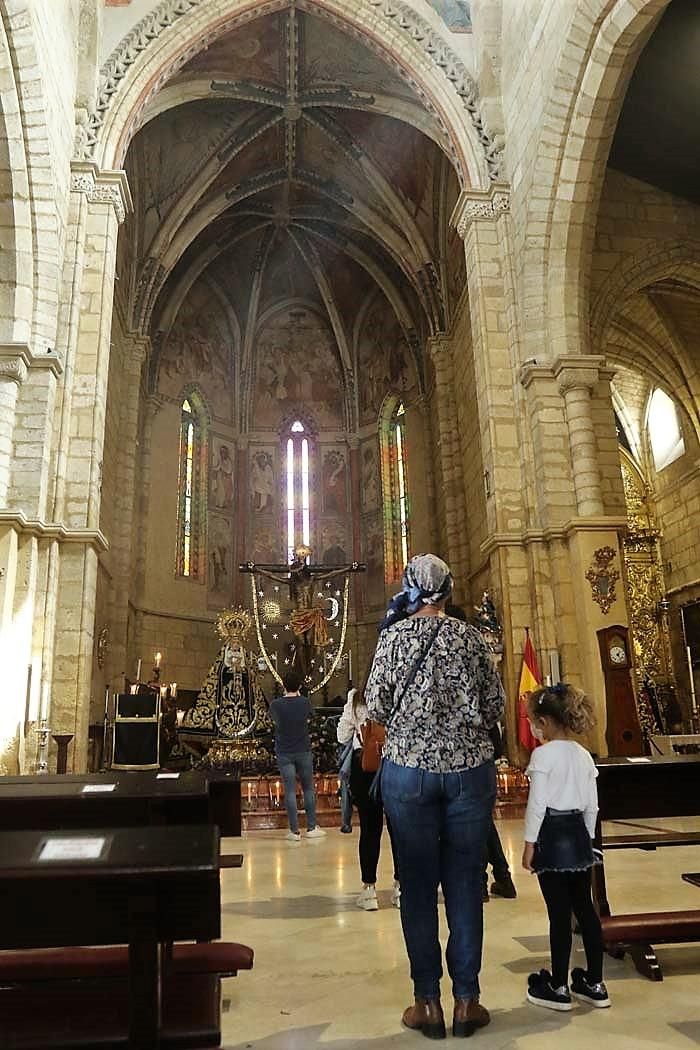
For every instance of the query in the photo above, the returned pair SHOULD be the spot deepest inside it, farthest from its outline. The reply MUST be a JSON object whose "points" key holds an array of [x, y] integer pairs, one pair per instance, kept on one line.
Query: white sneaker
{"points": [[316, 833], [396, 895], [293, 836], [368, 899]]}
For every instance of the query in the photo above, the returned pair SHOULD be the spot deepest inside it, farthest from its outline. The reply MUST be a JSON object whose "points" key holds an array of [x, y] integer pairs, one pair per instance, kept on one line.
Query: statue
{"points": [[231, 702], [307, 621], [486, 621]]}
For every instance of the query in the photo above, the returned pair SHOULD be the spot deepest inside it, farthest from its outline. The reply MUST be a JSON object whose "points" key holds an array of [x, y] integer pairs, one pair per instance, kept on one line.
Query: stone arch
{"points": [[17, 274], [579, 136], [144, 61], [680, 260]]}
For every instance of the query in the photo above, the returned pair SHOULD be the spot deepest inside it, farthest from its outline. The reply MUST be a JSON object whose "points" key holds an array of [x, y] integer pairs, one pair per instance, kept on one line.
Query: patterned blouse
{"points": [[441, 721]]}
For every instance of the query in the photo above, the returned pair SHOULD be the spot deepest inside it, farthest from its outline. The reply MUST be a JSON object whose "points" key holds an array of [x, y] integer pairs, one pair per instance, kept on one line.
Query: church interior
{"points": [[290, 292]]}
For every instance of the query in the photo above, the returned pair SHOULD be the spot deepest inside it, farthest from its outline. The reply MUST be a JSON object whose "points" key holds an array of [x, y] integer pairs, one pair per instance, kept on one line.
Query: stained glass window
{"points": [[189, 489], [395, 491], [298, 488]]}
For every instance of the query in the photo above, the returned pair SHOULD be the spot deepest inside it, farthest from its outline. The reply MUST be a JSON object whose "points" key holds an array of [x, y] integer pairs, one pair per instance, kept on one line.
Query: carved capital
{"points": [[440, 349], [474, 205], [13, 369], [102, 187], [577, 373]]}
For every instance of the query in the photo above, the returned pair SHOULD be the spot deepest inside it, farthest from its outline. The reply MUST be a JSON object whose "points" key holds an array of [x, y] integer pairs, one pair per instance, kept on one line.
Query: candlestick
{"points": [[138, 670]]}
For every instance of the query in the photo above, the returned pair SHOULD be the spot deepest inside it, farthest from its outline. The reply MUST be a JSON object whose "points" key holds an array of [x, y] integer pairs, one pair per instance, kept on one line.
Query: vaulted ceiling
{"points": [[288, 161]]}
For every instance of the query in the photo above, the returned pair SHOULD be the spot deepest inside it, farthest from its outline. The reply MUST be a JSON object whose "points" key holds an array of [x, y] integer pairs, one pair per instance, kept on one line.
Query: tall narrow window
{"points": [[189, 486], [298, 488], [665, 433], [395, 491]]}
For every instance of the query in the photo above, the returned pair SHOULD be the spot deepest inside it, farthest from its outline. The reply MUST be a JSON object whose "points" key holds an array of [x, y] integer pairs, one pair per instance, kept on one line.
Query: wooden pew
{"points": [[120, 799], [632, 791], [145, 887]]}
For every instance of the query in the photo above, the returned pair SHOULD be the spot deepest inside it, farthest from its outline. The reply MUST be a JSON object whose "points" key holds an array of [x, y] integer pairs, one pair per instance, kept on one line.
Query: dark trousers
{"points": [[440, 822], [371, 814], [495, 856], [565, 892]]}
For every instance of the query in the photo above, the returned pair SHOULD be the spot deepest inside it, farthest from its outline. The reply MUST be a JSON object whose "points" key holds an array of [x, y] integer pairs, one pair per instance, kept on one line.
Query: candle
{"points": [[138, 670], [163, 692], [277, 791], [158, 659], [693, 698], [350, 664], [548, 680], [173, 689], [250, 791]]}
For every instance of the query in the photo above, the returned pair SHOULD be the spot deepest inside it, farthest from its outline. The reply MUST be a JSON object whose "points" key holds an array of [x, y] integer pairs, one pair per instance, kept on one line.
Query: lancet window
{"points": [[298, 498]]}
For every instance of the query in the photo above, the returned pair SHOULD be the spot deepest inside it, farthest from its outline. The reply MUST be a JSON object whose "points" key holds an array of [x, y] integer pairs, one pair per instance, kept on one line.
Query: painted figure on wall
{"points": [[455, 14], [335, 498], [333, 543], [297, 365], [219, 554], [262, 481], [221, 475], [374, 557], [370, 476], [384, 361]]}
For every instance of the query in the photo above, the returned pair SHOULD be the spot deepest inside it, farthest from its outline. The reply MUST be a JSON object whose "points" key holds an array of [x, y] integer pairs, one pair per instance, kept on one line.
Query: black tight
{"points": [[565, 892]]}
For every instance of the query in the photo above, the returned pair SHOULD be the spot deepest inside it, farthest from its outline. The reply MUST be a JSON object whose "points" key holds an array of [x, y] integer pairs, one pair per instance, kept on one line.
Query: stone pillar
{"points": [[441, 351], [87, 329], [13, 372], [576, 378]]}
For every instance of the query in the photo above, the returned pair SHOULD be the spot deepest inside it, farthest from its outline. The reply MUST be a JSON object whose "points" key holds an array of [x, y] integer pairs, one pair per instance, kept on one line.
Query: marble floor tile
{"points": [[332, 977]]}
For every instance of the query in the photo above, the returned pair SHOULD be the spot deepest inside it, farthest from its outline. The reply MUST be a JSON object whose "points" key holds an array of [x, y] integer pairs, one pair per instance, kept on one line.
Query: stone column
{"points": [[441, 351], [576, 378], [77, 499], [13, 372]]}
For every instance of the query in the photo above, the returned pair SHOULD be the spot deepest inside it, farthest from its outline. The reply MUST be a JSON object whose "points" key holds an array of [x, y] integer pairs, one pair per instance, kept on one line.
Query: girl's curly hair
{"points": [[564, 704]]}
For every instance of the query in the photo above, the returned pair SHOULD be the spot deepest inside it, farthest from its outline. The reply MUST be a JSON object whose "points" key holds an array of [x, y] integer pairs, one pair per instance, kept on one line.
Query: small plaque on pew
{"points": [[642, 759], [72, 849], [96, 789], [167, 776]]}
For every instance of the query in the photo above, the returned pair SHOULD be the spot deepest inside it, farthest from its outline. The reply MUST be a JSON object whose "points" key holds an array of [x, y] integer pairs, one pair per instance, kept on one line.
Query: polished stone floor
{"points": [[329, 975]]}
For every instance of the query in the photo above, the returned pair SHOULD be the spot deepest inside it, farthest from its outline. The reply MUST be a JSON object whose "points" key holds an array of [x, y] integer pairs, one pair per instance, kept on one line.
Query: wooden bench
{"points": [[657, 788], [56, 999]]}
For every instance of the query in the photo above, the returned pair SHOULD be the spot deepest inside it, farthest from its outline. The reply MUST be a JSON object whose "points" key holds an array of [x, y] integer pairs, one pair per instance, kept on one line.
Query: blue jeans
{"points": [[301, 765], [440, 822]]}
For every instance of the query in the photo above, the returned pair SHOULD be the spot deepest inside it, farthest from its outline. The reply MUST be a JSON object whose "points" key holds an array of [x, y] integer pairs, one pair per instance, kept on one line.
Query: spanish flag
{"points": [[530, 679]]}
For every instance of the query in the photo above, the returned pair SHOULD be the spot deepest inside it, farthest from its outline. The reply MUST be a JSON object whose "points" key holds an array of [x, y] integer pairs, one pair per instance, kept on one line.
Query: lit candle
{"points": [[350, 664], [173, 689], [138, 671], [163, 692], [277, 791], [159, 656], [250, 791]]}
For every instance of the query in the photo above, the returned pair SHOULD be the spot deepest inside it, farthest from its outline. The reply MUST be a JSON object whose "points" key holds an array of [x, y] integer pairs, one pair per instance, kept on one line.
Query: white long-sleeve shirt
{"points": [[349, 723], [562, 776]]}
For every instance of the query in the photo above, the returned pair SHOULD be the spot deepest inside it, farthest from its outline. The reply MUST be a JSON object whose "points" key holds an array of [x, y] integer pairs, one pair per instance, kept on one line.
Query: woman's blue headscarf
{"points": [[427, 580]]}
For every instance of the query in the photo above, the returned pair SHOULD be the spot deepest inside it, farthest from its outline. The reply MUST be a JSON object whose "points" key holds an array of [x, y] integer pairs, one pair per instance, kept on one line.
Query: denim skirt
{"points": [[563, 843]]}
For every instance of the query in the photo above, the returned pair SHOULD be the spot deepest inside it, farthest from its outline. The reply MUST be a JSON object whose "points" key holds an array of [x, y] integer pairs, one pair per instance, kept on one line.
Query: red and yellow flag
{"points": [[530, 679]]}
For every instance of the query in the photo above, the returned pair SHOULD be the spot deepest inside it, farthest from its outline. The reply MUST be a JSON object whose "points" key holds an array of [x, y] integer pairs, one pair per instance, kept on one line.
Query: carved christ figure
{"points": [[308, 621]]}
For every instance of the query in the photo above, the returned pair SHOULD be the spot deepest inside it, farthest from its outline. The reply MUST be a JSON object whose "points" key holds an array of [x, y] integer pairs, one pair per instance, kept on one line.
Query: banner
{"points": [[530, 679]]}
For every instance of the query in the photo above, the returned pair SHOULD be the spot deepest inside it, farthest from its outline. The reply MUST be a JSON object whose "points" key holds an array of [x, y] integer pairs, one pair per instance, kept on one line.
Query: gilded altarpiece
{"points": [[643, 570]]}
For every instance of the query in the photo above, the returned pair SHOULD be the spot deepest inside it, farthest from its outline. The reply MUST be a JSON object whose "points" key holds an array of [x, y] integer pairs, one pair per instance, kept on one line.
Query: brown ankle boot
{"points": [[468, 1016], [425, 1016]]}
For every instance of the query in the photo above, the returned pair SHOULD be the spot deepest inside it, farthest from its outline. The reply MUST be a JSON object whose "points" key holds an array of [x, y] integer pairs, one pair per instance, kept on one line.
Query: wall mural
{"points": [[221, 474], [373, 555], [263, 492], [371, 481], [455, 14], [220, 536], [335, 482], [198, 350], [334, 543], [384, 360], [296, 367]]}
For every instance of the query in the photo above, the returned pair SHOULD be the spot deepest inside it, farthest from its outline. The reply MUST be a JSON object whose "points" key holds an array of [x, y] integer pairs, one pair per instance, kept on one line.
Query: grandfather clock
{"points": [[623, 735]]}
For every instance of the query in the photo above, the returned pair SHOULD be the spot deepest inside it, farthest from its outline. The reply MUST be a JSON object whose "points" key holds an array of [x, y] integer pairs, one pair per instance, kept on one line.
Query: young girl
{"points": [[559, 826]]}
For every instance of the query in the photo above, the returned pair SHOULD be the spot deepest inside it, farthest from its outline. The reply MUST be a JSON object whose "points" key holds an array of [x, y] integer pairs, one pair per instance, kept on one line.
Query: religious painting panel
{"points": [[335, 548], [334, 478], [297, 369], [385, 365], [373, 556], [220, 558], [267, 546], [198, 350], [370, 475], [221, 473], [262, 474]]}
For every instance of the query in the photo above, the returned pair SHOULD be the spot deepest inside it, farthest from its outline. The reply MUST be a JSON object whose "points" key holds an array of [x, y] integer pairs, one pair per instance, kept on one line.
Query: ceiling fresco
{"points": [[297, 167]]}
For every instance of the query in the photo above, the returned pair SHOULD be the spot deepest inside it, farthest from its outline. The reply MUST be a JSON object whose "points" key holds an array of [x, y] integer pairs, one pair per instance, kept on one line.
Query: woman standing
{"points": [[434, 686], [369, 809]]}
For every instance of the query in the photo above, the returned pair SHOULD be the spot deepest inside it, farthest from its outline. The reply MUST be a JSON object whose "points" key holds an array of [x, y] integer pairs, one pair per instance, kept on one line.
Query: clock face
{"points": [[618, 654]]}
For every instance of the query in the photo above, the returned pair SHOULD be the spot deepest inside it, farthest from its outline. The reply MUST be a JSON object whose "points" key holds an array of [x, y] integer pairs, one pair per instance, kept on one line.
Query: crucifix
{"points": [[308, 621]]}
